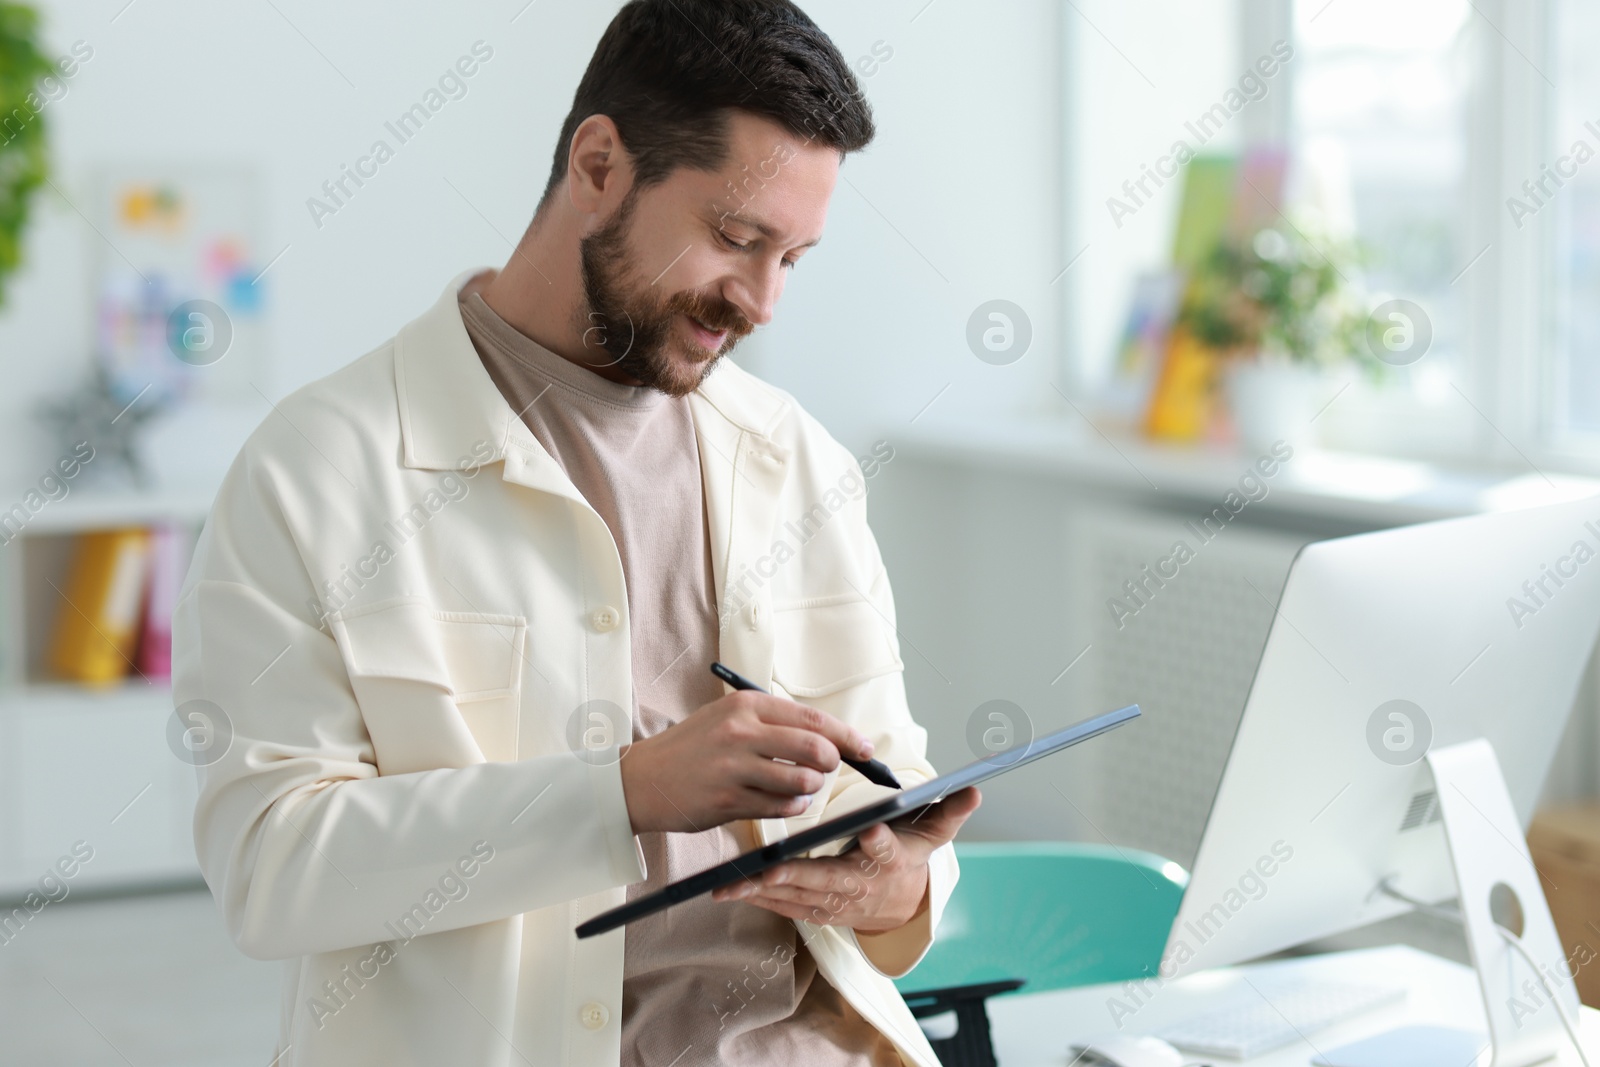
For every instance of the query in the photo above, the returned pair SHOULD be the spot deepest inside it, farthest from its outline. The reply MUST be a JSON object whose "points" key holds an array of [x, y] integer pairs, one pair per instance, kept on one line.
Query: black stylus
{"points": [[872, 770]]}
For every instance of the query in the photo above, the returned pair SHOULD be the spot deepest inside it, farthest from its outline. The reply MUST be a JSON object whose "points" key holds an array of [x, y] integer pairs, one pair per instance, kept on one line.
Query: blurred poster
{"points": [[180, 297]]}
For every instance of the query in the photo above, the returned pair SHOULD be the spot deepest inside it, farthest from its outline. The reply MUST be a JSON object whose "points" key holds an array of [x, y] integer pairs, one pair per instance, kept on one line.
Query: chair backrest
{"points": [[1056, 913]]}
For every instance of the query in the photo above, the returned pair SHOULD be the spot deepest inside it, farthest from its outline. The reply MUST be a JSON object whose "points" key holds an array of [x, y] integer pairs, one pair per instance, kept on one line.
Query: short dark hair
{"points": [[669, 72]]}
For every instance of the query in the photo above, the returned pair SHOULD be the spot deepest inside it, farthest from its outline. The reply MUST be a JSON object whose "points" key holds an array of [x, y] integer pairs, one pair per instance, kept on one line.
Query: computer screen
{"points": [[1386, 646]]}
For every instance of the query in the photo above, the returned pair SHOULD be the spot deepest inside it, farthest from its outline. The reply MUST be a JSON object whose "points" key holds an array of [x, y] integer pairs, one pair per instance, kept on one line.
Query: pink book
{"points": [[169, 559]]}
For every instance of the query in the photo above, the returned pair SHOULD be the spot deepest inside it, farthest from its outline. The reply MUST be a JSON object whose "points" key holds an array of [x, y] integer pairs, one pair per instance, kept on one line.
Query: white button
{"points": [[605, 619], [593, 1015], [755, 616]]}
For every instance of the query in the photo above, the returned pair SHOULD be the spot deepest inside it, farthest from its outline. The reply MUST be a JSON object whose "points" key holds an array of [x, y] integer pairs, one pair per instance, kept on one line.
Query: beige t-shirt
{"points": [[703, 982]]}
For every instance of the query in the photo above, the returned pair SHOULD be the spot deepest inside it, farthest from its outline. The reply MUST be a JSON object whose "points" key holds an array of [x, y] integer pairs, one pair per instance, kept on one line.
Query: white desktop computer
{"points": [[1410, 698]]}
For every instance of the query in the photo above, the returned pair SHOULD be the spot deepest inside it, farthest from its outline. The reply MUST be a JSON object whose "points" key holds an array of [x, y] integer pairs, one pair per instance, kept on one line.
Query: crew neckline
{"points": [[538, 359]]}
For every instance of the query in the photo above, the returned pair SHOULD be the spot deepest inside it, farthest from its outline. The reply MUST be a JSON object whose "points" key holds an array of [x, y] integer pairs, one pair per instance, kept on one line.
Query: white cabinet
{"points": [[94, 768], [81, 764]]}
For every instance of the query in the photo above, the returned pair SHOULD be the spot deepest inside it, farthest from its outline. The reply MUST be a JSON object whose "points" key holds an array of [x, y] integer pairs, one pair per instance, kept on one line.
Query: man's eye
{"points": [[744, 246]]}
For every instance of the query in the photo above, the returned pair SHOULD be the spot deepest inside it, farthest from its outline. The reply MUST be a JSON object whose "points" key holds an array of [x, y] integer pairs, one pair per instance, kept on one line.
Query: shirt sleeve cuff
{"points": [[893, 953], [622, 844]]}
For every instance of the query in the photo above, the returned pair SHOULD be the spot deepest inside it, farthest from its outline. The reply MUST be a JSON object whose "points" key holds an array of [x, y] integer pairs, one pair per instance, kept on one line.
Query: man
{"points": [[453, 612]]}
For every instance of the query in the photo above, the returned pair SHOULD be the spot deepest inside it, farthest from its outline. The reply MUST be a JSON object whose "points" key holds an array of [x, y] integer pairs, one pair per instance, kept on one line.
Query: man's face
{"points": [[683, 270]]}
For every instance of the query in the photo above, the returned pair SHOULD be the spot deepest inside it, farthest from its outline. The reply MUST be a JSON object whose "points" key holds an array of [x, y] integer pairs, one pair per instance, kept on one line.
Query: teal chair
{"points": [[1055, 914]]}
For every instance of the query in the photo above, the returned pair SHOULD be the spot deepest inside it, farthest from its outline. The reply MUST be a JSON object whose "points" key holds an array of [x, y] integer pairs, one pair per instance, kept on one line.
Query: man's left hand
{"points": [[880, 886]]}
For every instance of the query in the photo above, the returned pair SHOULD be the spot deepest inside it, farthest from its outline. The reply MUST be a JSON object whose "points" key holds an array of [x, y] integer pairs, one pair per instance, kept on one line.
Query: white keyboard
{"points": [[1250, 1023]]}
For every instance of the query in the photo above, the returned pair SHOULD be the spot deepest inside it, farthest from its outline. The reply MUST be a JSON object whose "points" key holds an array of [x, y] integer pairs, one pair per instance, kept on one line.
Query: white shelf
{"points": [[89, 508], [54, 697], [1360, 489]]}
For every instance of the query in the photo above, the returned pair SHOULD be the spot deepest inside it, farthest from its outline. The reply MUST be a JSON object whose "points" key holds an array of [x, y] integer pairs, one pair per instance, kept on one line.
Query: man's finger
{"points": [[824, 875], [783, 779], [790, 910], [850, 742], [878, 842], [829, 903], [940, 823], [805, 748]]}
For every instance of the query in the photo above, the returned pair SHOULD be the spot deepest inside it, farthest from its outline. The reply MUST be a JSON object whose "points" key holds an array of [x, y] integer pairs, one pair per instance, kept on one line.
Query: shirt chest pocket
{"points": [[827, 645], [436, 688], [834, 653]]}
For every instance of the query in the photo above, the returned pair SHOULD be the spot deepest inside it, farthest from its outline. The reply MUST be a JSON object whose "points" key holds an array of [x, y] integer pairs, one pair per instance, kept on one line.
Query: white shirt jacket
{"points": [[400, 617]]}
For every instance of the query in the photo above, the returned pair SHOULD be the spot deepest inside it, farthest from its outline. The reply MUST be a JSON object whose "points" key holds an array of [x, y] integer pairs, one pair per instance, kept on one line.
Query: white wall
{"points": [[186, 80], [966, 168], [1132, 91], [957, 202]]}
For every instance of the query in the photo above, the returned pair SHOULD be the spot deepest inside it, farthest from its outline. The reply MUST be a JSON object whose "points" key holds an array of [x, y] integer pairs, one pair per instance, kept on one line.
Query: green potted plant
{"points": [[23, 164], [1281, 310]]}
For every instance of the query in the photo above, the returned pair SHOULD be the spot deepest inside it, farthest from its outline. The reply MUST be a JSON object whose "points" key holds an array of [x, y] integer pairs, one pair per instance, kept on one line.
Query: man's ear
{"points": [[599, 171]]}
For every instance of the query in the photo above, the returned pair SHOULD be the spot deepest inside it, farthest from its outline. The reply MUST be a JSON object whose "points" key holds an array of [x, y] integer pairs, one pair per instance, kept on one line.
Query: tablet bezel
{"points": [[909, 803]]}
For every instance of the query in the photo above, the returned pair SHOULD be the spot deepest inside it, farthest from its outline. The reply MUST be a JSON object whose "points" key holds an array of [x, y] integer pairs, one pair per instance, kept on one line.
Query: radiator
{"points": [[1183, 646]]}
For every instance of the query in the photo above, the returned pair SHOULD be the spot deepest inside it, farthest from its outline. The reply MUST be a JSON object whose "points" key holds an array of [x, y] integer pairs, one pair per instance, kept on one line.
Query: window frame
{"points": [[1561, 447]]}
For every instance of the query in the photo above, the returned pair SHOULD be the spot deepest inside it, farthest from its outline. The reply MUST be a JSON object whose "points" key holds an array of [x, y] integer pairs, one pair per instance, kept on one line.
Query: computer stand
{"points": [[1499, 887], [970, 1045]]}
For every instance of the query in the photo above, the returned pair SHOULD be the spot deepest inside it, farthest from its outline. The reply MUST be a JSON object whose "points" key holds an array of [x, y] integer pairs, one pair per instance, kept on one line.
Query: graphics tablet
{"points": [[909, 803]]}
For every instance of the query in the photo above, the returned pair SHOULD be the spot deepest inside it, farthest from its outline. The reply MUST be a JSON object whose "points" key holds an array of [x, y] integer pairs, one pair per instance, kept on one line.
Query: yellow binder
{"points": [[97, 626]]}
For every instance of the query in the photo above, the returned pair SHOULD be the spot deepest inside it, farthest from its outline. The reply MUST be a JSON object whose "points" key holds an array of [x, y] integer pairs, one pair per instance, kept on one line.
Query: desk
{"points": [[1033, 1030]]}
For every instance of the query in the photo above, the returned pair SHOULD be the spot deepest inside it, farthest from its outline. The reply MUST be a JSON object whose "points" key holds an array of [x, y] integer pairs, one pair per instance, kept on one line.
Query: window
{"points": [[1572, 188], [1378, 131], [1413, 126]]}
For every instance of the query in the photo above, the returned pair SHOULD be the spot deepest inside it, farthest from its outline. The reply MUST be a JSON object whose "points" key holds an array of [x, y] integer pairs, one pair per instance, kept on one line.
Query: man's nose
{"points": [[756, 293]]}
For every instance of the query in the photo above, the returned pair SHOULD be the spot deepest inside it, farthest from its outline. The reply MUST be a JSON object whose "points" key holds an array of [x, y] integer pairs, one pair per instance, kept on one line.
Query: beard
{"points": [[634, 333]]}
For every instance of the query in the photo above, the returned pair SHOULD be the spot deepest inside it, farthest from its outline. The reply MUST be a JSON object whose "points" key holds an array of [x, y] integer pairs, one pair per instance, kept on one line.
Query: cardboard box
{"points": [[1565, 842]]}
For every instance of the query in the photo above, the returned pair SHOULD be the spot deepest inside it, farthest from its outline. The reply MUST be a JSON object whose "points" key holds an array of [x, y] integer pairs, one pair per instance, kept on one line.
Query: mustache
{"points": [[714, 312]]}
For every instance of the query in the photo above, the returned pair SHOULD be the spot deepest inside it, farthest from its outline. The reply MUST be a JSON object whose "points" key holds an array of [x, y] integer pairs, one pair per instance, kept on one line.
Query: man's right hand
{"points": [[720, 763]]}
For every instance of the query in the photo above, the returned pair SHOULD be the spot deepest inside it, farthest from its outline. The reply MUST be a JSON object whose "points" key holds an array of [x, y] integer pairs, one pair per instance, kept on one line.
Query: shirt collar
{"points": [[453, 415]]}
